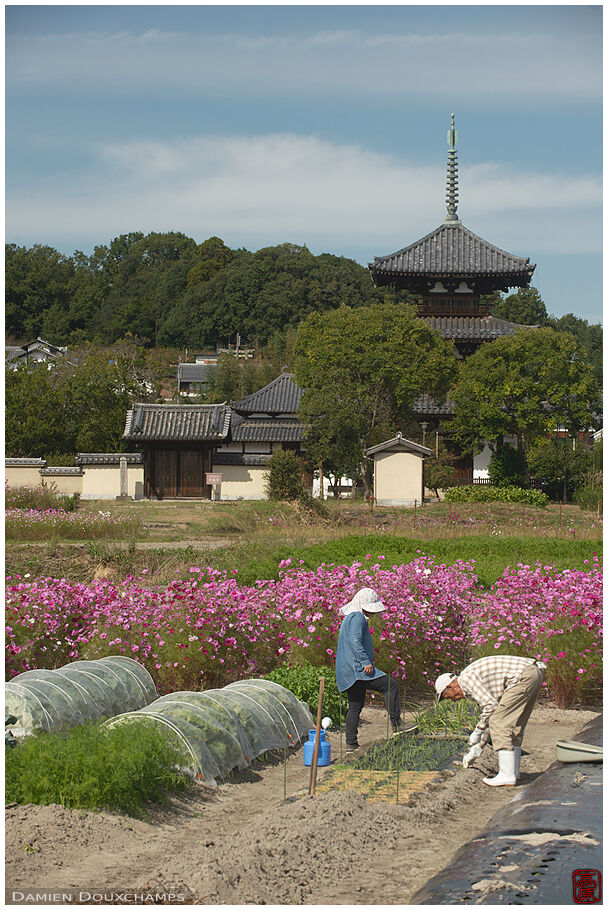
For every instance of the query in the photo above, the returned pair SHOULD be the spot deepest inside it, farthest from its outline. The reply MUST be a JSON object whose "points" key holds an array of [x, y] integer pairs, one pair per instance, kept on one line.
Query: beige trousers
{"points": [[509, 719]]}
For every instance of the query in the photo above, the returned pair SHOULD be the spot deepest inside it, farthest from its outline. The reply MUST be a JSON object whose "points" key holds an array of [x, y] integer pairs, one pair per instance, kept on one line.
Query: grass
{"points": [[91, 767], [253, 538], [447, 717]]}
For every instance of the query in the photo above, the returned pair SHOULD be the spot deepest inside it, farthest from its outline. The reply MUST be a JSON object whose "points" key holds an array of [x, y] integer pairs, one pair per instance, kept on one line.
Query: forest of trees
{"points": [[167, 290], [164, 289]]}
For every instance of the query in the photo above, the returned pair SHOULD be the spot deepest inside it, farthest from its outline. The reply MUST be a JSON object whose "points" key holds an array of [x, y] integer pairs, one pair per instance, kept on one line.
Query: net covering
{"points": [[86, 690], [223, 729]]}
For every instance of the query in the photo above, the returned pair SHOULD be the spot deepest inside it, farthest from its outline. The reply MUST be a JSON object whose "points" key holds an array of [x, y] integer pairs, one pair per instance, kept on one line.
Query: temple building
{"points": [[205, 451], [450, 271]]}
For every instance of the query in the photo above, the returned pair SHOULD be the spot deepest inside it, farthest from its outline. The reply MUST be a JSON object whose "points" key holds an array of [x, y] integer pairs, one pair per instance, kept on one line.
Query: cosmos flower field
{"points": [[209, 629]]}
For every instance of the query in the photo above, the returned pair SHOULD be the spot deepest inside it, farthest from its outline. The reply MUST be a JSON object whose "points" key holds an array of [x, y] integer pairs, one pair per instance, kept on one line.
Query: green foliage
{"points": [[40, 498], [162, 288], [507, 467], [559, 469], [361, 370], [284, 479], [234, 379], [440, 471], [448, 717], [303, 681], [91, 767], [590, 496], [488, 493], [409, 753], [79, 405], [525, 307], [522, 386]]}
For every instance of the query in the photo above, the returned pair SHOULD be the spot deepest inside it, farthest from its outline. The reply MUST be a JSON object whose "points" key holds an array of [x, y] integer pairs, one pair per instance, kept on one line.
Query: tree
{"points": [[523, 386], [440, 470], [284, 479], [507, 467], [79, 405], [553, 463], [361, 369], [525, 307]]}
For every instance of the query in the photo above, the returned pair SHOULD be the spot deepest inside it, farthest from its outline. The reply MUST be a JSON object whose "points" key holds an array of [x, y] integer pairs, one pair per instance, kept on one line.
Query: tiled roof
{"points": [[426, 405], [195, 372], [452, 249], [177, 422], [399, 442], [108, 458], [25, 462], [473, 328], [264, 429], [220, 458], [60, 470], [281, 396], [11, 351]]}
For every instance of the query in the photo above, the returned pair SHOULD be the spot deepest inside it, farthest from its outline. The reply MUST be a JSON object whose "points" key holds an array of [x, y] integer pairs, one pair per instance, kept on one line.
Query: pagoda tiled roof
{"points": [[178, 423], [281, 396], [452, 249], [473, 328]]}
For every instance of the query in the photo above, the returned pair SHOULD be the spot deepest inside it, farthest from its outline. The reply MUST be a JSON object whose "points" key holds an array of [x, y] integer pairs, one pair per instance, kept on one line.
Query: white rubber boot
{"points": [[506, 770], [517, 750]]}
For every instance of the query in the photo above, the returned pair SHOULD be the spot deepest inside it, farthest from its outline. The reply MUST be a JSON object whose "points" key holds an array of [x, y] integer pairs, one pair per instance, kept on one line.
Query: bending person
{"points": [[505, 687], [355, 671]]}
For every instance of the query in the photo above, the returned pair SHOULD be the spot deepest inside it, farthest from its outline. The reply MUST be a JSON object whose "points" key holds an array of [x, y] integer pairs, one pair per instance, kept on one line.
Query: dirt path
{"points": [[243, 845]]}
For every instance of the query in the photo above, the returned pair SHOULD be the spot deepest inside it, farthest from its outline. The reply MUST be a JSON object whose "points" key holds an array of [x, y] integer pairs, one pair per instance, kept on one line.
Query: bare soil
{"points": [[242, 844]]}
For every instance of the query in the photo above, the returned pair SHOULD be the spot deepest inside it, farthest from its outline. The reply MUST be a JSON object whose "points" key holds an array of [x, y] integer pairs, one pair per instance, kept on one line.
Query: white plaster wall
{"points": [[242, 481], [481, 463], [64, 483], [22, 476], [103, 481], [397, 478]]}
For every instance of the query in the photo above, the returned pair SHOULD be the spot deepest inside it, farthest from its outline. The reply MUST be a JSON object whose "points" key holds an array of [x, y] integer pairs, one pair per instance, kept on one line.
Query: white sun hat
{"points": [[442, 681], [365, 599]]}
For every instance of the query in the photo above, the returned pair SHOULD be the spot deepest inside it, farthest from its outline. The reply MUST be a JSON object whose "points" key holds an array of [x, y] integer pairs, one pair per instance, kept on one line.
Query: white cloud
{"points": [[401, 64], [255, 191]]}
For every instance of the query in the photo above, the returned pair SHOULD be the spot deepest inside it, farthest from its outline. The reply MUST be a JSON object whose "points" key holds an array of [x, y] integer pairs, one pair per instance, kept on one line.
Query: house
{"points": [[38, 351]]}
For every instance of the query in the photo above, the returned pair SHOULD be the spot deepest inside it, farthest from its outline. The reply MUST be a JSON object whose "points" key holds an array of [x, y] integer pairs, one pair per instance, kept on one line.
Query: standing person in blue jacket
{"points": [[355, 671]]}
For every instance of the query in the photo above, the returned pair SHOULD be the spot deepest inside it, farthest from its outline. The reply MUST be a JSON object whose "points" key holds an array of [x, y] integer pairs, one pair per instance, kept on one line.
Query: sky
{"points": [[318, 125]]}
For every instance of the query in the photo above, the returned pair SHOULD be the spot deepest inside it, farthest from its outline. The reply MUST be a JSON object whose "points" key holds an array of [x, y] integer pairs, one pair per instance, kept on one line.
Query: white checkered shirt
{"points": [[486, 679]]}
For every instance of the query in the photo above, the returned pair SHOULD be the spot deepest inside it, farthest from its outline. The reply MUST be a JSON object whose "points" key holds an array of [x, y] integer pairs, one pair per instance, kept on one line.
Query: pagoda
{"points": [[451, 269]]}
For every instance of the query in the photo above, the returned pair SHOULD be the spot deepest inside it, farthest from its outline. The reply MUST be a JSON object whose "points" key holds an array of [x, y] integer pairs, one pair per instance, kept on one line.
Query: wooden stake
{"points": [[414, 513], [560, 513], [285, 768], [315, 754]]}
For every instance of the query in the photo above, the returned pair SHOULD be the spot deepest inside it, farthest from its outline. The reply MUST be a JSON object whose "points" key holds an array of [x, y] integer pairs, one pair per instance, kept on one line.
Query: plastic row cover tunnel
{"points": [[85, 690], [223, 729]]}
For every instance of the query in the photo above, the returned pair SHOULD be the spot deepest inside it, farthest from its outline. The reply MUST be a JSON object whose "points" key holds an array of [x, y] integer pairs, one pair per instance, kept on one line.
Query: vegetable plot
{"points": [[223, 729], [85, 690]]}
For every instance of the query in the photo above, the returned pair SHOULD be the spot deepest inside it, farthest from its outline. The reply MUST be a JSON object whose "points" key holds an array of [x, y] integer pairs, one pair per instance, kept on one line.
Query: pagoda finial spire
{"points": [[451, 196]]}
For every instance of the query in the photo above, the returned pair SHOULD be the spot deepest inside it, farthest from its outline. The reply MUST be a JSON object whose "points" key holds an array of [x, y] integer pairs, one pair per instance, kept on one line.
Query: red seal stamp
{"points": [[587, 886]]}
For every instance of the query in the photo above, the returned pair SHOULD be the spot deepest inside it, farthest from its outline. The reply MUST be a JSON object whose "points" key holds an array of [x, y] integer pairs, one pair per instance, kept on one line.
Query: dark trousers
{"points": [[356, 700]]}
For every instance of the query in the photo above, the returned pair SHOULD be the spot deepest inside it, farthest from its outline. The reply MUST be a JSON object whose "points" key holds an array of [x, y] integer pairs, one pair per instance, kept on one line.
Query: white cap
{"points": [[442, 681], [365, 599]]}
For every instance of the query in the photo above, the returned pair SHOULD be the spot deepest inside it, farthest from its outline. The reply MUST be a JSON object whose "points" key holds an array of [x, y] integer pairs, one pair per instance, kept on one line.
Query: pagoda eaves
{"points": [[451, 267]]}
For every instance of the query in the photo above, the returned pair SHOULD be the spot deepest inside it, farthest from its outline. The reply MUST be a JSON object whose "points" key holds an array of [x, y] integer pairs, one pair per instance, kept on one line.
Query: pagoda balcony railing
{"points": [[451, 306]]}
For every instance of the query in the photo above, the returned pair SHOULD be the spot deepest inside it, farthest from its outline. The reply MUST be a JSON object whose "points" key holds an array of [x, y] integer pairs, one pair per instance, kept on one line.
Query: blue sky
{"points": [[323, 125]]}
